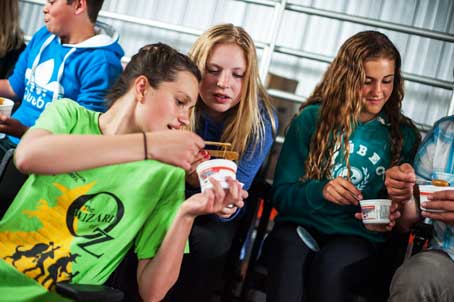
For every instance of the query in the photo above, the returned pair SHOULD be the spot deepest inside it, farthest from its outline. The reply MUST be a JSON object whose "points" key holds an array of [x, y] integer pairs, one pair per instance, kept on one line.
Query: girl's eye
{"points": [[179, 103], [236, 75], [387, 81], [212, 70]]}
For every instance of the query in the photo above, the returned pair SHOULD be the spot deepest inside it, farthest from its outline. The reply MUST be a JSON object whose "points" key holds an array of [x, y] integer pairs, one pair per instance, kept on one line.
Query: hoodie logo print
{"points": [[367, 167], [39, 88]]}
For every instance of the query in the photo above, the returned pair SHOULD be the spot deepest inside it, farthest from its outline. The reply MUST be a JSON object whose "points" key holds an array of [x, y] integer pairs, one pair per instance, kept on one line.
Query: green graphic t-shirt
{"points": [[78, 226]]}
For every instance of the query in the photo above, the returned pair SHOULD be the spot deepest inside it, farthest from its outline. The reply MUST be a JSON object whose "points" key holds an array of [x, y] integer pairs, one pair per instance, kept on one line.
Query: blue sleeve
{"points": [[254, 157], [96, 78], [424, 159], [17, 78], [435, 157]]}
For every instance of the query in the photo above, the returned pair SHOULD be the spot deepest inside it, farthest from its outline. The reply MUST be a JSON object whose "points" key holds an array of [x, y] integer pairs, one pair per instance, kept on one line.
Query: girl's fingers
{"points": [[348, 186], [219, 193], [359, 216]]}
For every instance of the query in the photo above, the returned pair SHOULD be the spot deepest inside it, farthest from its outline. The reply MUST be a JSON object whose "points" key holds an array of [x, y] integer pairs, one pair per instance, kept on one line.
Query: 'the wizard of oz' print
{"points": [[75, 221]]}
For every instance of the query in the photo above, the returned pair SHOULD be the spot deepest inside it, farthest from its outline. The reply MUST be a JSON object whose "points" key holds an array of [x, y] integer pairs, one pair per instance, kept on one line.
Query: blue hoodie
{"points": [[48, 70]]}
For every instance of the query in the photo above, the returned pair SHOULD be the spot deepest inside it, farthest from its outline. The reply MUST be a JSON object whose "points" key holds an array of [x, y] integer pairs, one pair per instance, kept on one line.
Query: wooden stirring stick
{"points": [[231, 155], [209, 143], [224, 153]]}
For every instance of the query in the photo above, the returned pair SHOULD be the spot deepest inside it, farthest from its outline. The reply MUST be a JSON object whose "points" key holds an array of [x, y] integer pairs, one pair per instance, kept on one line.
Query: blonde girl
{"points": [[232, 107]]}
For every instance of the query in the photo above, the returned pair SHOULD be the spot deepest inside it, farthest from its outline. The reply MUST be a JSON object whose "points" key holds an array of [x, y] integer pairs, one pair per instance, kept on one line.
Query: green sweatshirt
{"points": [[303, 202]]}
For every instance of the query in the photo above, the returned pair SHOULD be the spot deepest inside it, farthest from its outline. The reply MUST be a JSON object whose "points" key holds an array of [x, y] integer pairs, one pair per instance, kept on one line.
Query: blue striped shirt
{"points": [[435, 160]]}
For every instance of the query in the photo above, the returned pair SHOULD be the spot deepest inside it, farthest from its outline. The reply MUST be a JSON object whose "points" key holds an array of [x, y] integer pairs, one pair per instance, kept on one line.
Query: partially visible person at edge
{"points": [[93, 193], [69, 57], [428, 275], [335, 154], [11, 36], [233, 107]]}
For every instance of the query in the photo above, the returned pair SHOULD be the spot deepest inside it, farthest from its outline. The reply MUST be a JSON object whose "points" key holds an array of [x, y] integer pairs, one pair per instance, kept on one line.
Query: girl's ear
{"points": [[141, 85]]}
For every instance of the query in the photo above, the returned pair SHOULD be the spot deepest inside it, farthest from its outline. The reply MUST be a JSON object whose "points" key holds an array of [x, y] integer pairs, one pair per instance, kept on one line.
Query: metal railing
{"points": [[372, 22], [269, 47], [407, 76]]}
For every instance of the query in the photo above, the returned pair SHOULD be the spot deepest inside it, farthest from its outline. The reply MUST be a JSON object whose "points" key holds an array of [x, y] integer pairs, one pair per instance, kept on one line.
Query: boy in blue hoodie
{"points": [[70, 57]]}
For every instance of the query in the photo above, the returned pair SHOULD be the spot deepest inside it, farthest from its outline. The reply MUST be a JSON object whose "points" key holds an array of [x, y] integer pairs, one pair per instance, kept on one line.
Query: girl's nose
{"points": [[223, 80], [377, 89]]}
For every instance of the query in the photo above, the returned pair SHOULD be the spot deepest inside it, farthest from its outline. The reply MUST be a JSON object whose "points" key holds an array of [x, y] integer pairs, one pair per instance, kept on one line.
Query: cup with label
{"points": [[425, 191], [375, 211], [6, 107], [219, 169]]}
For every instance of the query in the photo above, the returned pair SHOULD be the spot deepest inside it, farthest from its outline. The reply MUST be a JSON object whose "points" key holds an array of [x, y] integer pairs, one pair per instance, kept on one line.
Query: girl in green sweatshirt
{"points": [[335, 154]]}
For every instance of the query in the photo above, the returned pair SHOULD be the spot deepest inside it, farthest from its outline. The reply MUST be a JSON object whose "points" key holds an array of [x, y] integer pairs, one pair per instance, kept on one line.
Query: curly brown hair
{"points": [[339, 94]]}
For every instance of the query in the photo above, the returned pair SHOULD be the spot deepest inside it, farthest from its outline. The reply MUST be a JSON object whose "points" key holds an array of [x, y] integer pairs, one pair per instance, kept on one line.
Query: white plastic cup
{"points": [[375, 211], [219, 169], [425, 190], [6, 107]]}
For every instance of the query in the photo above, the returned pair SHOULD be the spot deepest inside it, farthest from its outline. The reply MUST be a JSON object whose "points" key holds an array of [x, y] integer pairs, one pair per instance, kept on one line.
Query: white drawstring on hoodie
{"points": [[56, 91]]}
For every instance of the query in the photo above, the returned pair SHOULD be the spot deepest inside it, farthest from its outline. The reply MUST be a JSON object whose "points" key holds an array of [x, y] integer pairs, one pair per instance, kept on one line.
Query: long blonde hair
{"points": [[11, 36], [244, 123], [341, 103]]}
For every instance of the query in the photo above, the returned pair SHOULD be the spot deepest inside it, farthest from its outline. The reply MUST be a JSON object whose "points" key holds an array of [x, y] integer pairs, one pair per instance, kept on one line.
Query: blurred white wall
{"points": [[306, 30]]}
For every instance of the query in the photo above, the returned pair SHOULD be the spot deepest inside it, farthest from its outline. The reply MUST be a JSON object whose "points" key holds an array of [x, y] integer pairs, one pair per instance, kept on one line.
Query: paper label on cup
{"points": [[425, 191], [220, 173], [375, 211], [215, 170]]}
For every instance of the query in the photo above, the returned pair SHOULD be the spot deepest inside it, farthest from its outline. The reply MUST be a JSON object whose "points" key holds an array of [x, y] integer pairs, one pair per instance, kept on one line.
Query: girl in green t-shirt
{"points": [[101, 183]]}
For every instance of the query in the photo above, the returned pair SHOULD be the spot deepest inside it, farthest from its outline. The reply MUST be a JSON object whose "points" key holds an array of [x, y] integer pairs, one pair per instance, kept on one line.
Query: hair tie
{"points": [[145, 148]]}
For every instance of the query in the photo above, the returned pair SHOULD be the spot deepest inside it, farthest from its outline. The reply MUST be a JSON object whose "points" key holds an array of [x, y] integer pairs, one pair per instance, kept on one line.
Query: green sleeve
{"points": [[156, 226], [291, 195], [58, 117]]}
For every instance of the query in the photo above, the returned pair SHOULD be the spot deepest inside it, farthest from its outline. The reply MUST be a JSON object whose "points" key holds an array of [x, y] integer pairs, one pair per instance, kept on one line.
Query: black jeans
{"points": [[209, 243], [5, 145], [344, 268]]}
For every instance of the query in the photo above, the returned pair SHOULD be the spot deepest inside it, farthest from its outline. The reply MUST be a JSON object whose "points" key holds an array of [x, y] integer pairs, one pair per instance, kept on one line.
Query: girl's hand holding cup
{"points": [[371, 216], [234, 197]]}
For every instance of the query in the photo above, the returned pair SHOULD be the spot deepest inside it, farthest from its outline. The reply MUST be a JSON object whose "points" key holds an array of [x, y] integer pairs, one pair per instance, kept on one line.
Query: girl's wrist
{"points": [[185, 213]]}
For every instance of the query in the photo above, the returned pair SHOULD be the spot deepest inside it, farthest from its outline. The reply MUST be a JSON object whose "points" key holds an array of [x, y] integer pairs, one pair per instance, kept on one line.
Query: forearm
{"points": [[410, 215], [54, 154], [156, 276], [6, 90]]}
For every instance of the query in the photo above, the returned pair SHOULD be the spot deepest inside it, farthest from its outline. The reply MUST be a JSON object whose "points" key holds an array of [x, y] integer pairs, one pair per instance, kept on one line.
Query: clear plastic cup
{"points": [[425, 190], [219, 169], [375, 211], [6, 107]]}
